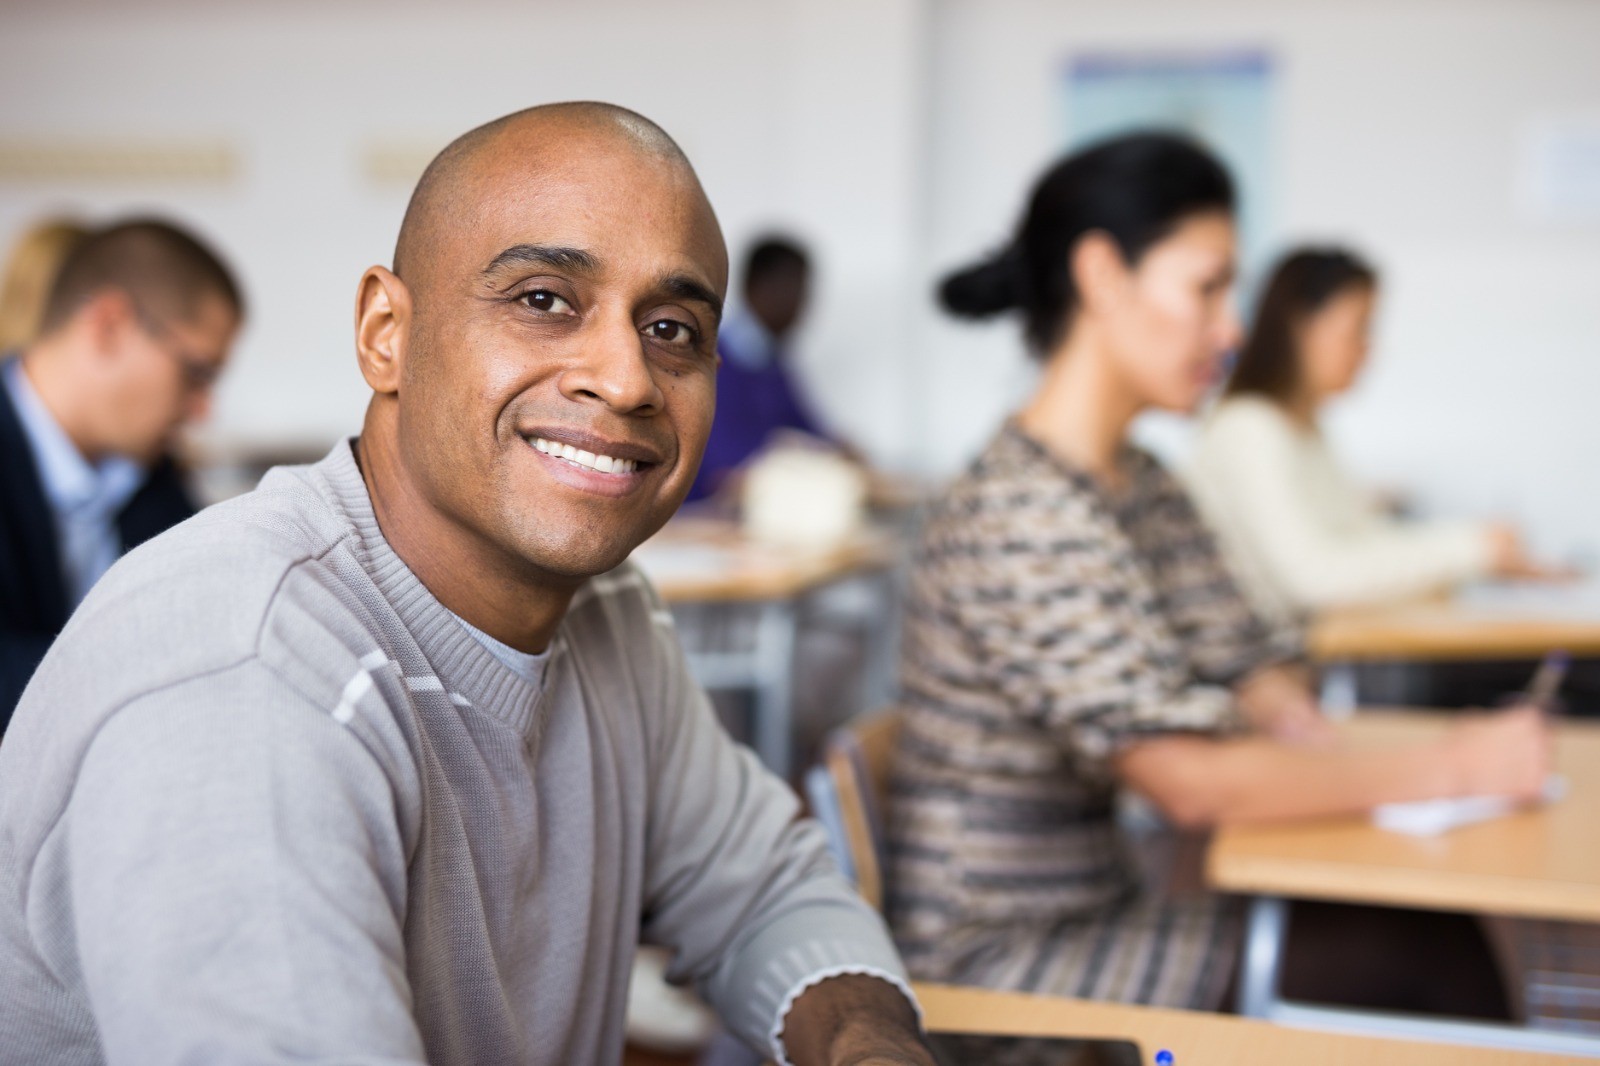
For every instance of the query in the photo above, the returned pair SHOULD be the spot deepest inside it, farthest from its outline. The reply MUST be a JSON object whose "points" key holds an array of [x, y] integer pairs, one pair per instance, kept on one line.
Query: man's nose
{"points": [[613, 367]]}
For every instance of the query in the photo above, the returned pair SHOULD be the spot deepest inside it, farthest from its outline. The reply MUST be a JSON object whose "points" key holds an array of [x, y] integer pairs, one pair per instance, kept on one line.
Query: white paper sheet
{"points": [[1426, 818]]}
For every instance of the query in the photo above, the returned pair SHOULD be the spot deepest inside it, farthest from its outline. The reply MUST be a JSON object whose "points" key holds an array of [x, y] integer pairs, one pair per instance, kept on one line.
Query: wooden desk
{"points": [[1488, 623], [1492, 622], [1195, 1039], [709, 561], [702, 560], [1440, 632], [1540, 863]]}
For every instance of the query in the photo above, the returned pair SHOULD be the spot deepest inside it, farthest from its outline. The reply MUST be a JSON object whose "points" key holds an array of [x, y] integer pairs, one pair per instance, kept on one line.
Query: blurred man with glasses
{"points": [[135, 332]]}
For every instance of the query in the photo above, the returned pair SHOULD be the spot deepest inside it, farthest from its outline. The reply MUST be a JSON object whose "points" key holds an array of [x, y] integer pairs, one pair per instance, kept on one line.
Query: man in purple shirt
{"points": [[756, 391]]}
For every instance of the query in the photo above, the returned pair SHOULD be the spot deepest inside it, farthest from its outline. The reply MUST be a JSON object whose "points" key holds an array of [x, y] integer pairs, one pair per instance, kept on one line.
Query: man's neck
{"points": [[47, 365], [470, 578]]}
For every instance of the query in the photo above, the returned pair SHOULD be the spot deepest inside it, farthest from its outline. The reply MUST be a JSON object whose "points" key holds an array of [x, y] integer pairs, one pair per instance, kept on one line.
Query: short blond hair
{"points": [[30, 274]]}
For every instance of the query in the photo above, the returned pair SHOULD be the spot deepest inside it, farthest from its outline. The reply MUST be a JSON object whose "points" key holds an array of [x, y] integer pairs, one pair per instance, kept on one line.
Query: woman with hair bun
{"points": [[1072, 633], [1300, 532]]}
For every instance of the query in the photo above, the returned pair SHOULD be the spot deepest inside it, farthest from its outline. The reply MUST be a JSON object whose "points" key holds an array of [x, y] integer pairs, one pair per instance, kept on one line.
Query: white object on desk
{"points": [[1426, 818], [1575, 600], [803, 497]]}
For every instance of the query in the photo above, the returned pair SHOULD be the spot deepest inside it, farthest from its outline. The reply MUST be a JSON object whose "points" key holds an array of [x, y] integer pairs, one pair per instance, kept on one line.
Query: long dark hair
{"points": [[1300, 285], [1136, 189]]}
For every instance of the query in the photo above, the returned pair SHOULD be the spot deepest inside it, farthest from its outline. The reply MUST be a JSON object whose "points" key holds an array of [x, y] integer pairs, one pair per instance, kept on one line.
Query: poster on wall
{"points": [[1221, 98], [1558, 169]]}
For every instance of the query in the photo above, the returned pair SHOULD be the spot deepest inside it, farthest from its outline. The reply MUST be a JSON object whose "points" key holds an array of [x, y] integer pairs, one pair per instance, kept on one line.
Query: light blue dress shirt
{"points": [[85, 497], [525, 664]]}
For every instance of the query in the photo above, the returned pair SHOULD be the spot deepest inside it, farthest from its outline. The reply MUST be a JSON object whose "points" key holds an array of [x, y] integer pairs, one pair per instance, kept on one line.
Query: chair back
{"points": [[849, 795]]}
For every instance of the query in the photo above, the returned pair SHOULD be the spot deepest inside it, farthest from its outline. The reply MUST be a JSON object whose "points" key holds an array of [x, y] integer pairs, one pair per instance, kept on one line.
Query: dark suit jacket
{"points": [[33, 590]]}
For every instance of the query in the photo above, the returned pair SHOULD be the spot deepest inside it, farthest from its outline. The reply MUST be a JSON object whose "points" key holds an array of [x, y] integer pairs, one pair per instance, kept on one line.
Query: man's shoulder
{"points": [[230, 558], [619, 628], [204, 595], [614, 608]]}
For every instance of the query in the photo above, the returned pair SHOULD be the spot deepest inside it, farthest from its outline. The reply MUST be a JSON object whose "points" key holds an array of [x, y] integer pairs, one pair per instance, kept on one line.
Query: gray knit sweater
{"points": [[267, 801]]}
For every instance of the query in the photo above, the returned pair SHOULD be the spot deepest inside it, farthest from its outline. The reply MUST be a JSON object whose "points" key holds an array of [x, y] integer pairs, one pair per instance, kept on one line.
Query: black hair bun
{"points": [[988, 288]]}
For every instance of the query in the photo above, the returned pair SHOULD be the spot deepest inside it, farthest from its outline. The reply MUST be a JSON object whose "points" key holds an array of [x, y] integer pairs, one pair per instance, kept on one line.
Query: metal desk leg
{"points": [[1341, 693], [773, 668], [1267, 928], [1259, 998], [881, 645]]}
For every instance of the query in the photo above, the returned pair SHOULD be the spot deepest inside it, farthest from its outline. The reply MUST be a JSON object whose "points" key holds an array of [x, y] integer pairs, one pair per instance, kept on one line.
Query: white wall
{"points": [[302, 89], [899, 135], [1398, 126]]}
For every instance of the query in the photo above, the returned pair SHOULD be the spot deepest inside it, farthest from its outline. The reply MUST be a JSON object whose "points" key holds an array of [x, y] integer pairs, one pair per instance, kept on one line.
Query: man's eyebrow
{"points": [[686, 288], [572, 259], [578, 261]]}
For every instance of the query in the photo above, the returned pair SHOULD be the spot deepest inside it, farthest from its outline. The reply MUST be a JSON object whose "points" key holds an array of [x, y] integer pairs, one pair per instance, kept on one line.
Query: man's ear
{"points": [[107, 315], [383, 326], [1099, 271]]}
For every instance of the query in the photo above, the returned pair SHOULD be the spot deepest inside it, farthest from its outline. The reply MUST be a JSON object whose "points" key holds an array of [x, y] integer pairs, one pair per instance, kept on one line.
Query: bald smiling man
{"points": [[396, 759]]}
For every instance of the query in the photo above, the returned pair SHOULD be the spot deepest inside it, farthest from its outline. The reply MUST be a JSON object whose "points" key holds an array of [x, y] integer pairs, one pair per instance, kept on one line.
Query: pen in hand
{"points": [[1546, 682]]}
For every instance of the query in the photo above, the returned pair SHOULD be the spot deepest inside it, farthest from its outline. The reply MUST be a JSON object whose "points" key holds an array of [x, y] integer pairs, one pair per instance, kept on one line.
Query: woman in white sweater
{"points": [[1300, 532]]}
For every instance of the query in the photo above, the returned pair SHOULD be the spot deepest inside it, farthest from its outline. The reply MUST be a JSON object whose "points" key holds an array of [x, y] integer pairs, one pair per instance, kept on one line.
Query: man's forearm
{"points": [[854, 1020]]}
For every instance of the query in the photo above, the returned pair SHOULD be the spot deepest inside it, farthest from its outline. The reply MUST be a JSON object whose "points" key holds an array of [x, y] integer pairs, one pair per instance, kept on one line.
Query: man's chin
{"points": [[576, 562], [170, 443], [582, 547], [576, 572], [149, 455]]}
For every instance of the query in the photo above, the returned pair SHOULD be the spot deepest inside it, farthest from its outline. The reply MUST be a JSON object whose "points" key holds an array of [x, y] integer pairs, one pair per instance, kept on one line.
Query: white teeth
{"points": [[604, 463]]}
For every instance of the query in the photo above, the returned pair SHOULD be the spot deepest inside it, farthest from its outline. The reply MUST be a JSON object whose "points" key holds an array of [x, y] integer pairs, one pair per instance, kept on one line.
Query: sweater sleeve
{"points": [[1253, 483], [737, 884], [237, 881]]}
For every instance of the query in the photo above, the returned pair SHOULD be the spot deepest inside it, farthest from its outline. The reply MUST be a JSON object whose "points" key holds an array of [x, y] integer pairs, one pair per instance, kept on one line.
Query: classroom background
{"points": [[1453, 142]]}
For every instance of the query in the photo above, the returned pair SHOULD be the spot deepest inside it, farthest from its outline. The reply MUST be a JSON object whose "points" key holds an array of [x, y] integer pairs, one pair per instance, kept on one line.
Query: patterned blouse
{"points": [[1050, 624]]}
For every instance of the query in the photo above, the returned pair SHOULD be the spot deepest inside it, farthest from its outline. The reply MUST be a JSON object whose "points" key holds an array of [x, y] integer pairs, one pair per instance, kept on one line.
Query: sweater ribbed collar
{"points": [[462, 662]]}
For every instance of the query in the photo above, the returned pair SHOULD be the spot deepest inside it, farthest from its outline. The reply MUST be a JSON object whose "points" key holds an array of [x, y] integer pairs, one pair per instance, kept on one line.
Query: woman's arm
{"points": [[1278, 700], [1200, 782]]}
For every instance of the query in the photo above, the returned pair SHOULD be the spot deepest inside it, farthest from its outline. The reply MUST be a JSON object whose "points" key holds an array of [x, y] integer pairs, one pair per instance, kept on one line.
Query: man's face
{"points": [[559, 377], [162, 375], [779, 298]]}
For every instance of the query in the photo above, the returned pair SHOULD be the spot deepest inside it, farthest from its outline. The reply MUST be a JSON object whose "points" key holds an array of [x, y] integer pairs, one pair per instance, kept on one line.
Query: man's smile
{"points": [[592, 463], [606, 464]]}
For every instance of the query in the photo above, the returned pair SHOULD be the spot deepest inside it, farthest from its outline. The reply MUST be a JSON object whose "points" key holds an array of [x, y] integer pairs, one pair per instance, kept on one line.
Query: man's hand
{"points": [[1278, 701], [854, 1020]]}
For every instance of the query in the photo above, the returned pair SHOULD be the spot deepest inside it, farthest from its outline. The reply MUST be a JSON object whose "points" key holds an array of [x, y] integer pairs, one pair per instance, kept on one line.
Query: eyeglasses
{"points": [[199, 373]]}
